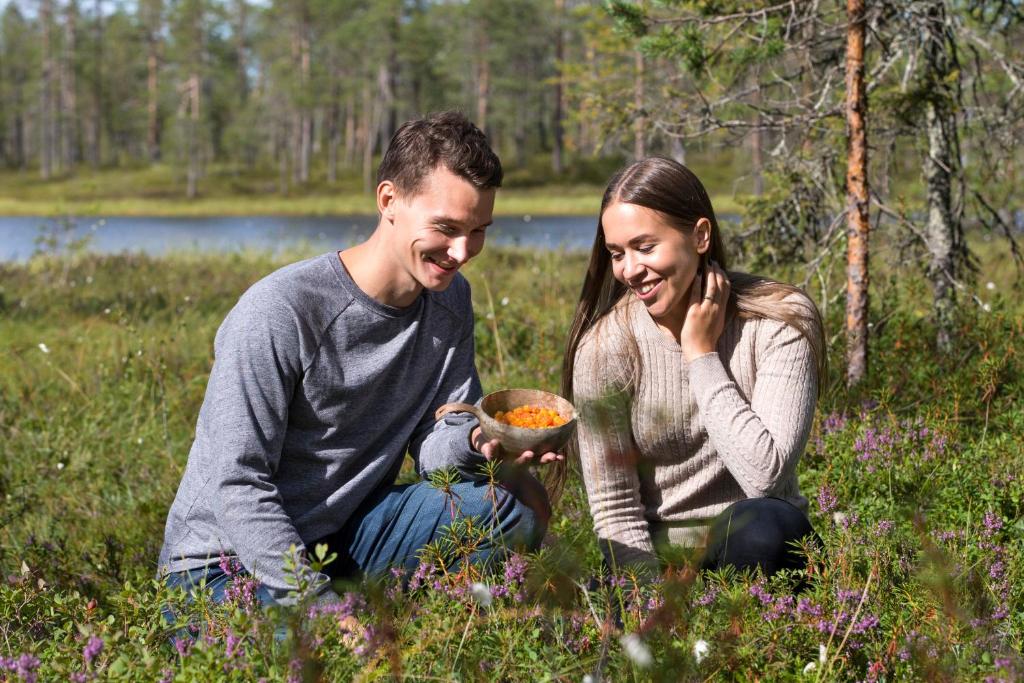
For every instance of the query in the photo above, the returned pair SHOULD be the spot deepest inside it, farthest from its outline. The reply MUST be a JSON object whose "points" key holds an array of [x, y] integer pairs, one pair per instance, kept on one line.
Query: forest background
{"points": [[827, 127]]}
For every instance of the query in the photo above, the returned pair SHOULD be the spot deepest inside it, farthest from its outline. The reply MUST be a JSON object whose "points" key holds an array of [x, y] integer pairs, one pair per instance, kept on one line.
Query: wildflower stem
{"points": [[849, 629]]}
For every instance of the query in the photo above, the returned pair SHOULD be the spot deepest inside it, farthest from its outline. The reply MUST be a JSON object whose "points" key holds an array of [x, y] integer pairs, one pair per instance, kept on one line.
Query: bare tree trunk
{"points": [[241, 48], [194, 84], [483, 80], [350, 130], [96, 129], [678, 151], [558, 133], [306, 142], [857, 225], [369, 137], [640, 120], [153, 95], [69, 87], [757, 140], [333, 133], [943, 232], [46, 142]]}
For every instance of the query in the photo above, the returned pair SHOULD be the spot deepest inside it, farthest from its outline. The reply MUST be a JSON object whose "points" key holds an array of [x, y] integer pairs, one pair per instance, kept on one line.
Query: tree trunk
{"points": [[350, 130], [153, 97], [241, 49], [483, 82], [46, 143], [369, 137], [194, 84], [96, 127], [558, 133], [757, 140], [857, 226], [640, 120], [333, 134], [306, 143], [69, 87], [944, 231]]}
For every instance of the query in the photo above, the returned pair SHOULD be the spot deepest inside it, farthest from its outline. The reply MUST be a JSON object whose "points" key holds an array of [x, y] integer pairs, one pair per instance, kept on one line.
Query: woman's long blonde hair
{"points": [[674, 191]]}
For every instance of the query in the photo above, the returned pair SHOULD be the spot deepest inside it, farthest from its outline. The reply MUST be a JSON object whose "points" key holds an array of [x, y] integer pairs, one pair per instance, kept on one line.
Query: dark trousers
{"points": [[758, 532]]}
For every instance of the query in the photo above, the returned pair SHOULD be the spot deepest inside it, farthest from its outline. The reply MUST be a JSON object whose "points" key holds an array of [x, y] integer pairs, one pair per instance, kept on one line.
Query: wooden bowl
{"points": [[515, 440]]}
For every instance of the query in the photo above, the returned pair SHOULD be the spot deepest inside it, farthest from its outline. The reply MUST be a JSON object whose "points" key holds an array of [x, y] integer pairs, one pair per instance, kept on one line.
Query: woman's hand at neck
{"points": [[705, 312]]}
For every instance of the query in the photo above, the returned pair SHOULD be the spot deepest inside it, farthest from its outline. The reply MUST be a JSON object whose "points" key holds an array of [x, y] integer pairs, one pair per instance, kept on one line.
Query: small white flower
{"points": [[139, 440], [504, 301], [481, 594], [822, 653], [88, 279], [106, 311], [987, 308], [44, 348], [838, 516], [809, 668], [187, 299], [701, 650], [589, 679], [60, 466], [990, 286], [490, 316], [637, 650]]}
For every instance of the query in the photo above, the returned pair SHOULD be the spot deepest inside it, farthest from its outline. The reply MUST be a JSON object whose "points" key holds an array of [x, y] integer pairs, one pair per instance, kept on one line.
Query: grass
{"points": [[103, 370], [158, 190]]}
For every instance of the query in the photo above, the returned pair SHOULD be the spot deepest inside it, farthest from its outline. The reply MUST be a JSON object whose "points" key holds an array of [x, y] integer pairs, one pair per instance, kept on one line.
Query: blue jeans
{"points": [[395, 522]]}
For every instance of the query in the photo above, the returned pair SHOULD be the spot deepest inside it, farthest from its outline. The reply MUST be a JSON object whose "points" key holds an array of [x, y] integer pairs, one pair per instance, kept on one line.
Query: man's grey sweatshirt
{"points": [[316, 394]]}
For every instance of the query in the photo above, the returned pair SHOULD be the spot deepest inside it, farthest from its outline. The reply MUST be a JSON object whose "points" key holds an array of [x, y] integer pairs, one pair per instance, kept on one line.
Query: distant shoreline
{"points": [[573, 202]]}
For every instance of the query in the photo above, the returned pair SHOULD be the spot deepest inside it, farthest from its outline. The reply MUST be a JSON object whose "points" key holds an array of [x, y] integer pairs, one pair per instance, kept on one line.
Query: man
{"points": [[329, 370]]}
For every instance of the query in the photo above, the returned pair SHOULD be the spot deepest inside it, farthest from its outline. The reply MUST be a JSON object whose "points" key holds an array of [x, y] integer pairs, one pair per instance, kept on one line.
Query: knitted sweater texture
{"points": [[667, 444]]}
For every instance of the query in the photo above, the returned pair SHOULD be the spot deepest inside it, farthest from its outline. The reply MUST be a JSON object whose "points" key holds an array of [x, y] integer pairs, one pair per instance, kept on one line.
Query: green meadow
{"points": [[914, 480]]}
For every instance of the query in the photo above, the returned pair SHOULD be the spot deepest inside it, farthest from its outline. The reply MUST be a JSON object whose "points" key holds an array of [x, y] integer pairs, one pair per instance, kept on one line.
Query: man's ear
{"points": [[702, 235], [386, 197]]}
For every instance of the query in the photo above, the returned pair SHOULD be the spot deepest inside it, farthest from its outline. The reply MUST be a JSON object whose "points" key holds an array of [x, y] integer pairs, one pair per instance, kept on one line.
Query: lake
{"points": [[157, 236]]}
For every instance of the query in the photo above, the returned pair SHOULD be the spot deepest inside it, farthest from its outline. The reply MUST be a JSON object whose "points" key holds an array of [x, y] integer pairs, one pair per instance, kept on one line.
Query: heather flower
{"points": [[25, 666], [827, 500], [183, 646], [636, 649], [992, 524], [834, 422], [883, 527], [758, 591], [79, 677], [709, 597], [701, 649], [92, 649]]}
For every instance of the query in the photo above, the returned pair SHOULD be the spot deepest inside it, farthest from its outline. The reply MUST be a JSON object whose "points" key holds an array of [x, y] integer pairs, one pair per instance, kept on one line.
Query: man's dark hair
{"points": [[446, 139]]}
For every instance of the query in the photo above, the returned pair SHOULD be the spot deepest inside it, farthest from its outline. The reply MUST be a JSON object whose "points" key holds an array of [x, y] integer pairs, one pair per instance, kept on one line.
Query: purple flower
{"points": [[827, 500], [992, 524], [79, 677], [515, 569], [758, 591], [709, 596], [866, 623], [229, 565], [233, 646], [883, 527], [183, 646], [834, 422], [26, 666], [92, 649]]}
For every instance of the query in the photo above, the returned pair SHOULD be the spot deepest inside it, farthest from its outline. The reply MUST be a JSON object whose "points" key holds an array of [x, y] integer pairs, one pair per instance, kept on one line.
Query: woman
{"points": [[696, 385]]}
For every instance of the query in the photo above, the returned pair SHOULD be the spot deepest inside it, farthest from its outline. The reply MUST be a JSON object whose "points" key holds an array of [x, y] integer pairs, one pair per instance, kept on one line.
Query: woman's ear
{"points": [[702, 235]]}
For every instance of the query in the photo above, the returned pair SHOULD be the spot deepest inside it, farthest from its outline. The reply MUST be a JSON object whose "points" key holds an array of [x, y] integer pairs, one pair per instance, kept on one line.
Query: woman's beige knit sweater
{"points": [[665, 445]]}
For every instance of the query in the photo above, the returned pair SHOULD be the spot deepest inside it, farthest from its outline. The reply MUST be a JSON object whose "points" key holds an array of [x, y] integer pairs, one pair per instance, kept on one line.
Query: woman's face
{"points": [[655, 260]]}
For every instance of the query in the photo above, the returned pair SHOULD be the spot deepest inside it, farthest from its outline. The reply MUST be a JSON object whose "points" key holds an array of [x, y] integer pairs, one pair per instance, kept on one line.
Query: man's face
{"points": [[439, 228]]}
